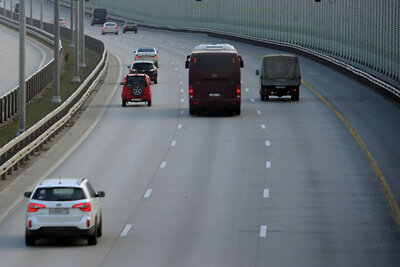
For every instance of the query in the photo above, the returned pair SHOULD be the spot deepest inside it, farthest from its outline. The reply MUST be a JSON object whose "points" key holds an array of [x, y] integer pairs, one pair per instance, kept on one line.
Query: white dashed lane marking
{"points": [[266, 193], [247, 89], [179, 126], [252, 100], [267, 143], [126, 229], [259, 112], [148, 192], [263, 231], [263, 126], [173, 143], [268, 164], [163, 164]]}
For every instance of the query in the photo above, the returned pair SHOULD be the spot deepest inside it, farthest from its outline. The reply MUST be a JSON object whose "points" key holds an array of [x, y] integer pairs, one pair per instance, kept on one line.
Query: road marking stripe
{"points": [[268, 164], [266, 193], [182, 100], [252, 99], [182, 111], [173, 143], [262, 126], [259, 112], [148, 192], [263, 231], [180, 82], [126, 229], [267, 143], [163, 164], [182, 91], [247, 89], [179, 126], [378, 173]]}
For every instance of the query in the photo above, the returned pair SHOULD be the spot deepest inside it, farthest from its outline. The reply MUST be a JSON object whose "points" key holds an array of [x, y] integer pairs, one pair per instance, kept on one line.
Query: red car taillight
{"points": [[83, 206], [238, 91], [155, 56], [191, 91], [34, 207], [116, 28], [105, 28], [137, 56]]}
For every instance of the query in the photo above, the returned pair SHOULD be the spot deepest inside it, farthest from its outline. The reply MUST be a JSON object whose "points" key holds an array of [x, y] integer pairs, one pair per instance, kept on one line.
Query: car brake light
{"points": [[105, 28], [82, 206], [233, 60], [238, 91], [154, 69], [34, 207], [137, 56], [155, 56], [116, 27], [191, 91]]}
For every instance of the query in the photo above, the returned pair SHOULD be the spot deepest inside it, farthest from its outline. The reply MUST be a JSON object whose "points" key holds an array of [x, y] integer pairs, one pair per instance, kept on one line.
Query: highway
{"points": [[283, 184], [36, 54]]}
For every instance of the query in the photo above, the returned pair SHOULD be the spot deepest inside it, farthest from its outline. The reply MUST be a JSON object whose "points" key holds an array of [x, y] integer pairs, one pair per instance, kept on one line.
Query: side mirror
{"points": [[128, 67], [241, 62], [121, 83], [27, 194], [187, 62], [257, 72], [100, 194]]}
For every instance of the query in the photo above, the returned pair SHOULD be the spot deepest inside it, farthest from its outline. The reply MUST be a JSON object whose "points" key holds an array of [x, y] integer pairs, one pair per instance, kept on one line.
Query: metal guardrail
{"points": [[21, 147], [34, 83]]}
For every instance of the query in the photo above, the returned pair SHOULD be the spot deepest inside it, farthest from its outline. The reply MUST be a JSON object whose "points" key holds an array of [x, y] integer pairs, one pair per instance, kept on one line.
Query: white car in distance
{"points": [[109, 27], [146, 53], [63, 207]]}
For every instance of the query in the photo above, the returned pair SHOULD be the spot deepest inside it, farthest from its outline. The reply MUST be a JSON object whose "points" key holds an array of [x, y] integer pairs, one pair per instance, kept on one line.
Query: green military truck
{"points": [[279, 76]]}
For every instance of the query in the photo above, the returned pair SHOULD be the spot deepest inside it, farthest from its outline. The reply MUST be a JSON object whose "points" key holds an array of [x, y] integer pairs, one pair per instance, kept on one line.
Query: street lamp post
{"points": [[11, 9], [71, 44], [31, 11], [76, 78], [21, 89], [41, 13], [56, 72], [82, 34]]}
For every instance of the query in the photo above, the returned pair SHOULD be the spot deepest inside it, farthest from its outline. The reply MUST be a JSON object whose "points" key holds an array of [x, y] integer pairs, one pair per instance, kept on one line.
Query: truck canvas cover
{"points": [[280, 69]]}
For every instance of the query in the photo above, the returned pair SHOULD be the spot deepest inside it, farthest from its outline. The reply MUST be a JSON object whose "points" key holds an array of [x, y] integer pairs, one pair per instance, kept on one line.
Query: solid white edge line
{"points": [[163, 164], [148, 192], [266, 193], [126, 230], [268, 164], [263, 231]]}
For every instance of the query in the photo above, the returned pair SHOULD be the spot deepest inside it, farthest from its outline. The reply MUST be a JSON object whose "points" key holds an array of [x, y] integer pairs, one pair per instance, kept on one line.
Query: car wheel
{"points": [[149, 103], [29, 240], [116, 33], [123, 31], [155, 81], [92, 240], [135, 31], [124, 103], [237, 111], [102, 33], [100, 228], [191, 111]]}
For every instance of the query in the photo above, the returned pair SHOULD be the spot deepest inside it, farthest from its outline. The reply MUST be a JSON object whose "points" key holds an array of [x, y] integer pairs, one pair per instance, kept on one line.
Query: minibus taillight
{"points": [[238, 91], [191, 91]]}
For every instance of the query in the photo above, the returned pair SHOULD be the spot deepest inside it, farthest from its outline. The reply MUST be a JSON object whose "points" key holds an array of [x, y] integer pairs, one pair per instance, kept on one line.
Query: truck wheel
{"points": [[124, 103], [149, 103]]}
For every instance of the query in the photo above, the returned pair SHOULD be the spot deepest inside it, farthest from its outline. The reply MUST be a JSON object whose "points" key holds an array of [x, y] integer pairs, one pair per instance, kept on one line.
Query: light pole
{"points": [[31, 11], [56, 72], [4, 8], [21, 88], [76, 79], [71, 44], [11, 10], [41, 13], [82, 34]]}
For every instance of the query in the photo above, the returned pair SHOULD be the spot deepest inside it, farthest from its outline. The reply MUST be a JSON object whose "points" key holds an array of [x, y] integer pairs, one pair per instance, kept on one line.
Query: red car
{"points": [[136, 88]]}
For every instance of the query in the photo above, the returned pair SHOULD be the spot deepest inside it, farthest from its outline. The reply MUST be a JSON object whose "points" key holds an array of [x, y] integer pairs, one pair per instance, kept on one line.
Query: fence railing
{"points": [[21, 147]]}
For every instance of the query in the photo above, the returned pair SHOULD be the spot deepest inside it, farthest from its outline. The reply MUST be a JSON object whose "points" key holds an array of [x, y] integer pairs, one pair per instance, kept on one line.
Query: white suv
{"points": [[63, 207]]}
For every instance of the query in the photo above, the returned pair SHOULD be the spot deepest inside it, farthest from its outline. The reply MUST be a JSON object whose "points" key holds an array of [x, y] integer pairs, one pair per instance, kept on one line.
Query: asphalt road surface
{"points": [[283, 184]]}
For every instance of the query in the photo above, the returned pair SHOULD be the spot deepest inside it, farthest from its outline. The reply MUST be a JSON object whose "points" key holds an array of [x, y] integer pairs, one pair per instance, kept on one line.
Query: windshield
{"points": [[146, 50], [59, 194]]}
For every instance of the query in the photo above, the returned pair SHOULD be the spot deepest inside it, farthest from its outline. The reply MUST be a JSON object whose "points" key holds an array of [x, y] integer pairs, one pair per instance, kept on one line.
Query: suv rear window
{"points": [[143, 66], [59, 194], [133, 80], [146, 50], [99, 12]]}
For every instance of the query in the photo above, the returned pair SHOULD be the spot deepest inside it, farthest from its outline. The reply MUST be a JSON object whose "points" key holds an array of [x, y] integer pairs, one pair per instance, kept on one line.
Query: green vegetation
{"points": [[41, 105]]}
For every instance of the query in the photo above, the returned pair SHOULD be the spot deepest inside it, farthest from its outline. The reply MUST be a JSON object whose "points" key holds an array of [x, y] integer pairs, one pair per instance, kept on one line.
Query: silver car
{"points": [[109, 27], [146, 53], [63, 207]]}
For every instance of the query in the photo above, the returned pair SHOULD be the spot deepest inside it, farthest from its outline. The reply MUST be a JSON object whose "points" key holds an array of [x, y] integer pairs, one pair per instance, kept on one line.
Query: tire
{"points": [[136, 31], [92, 240], [237, 111], [123, 31], [29, 240], [149, 103], [102, 33], [116, 33], [100, 228], [138, 90], [124, 103], [155, 81], [192, 111]]}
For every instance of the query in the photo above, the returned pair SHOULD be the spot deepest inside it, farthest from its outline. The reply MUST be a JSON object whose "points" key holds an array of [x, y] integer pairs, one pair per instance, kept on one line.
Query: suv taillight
{"points": [[83, 206], [34, 207], [238, 91], [191, 91]]}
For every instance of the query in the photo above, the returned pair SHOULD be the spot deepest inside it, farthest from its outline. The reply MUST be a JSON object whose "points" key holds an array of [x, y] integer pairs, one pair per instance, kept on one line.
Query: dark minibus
{"points": [[214, 78], [99, 16]]}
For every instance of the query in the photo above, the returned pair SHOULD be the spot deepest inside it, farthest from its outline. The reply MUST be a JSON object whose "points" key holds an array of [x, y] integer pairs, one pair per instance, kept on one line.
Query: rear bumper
{"points": [[136, 99], [60, 232], [215, 103]]}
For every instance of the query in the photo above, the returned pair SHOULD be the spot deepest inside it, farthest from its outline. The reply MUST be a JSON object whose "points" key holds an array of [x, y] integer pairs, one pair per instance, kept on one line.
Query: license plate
{"points": [[214, 94], [280, 87], [58, 211]]}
